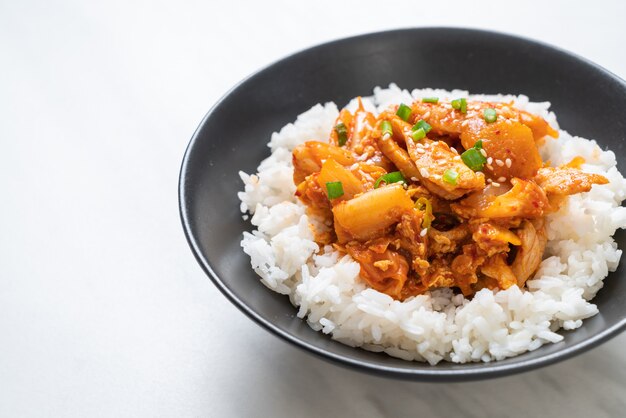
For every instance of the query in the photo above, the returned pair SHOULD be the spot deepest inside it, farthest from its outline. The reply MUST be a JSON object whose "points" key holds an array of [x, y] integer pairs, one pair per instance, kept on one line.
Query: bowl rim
{"points": [[471, 371]]}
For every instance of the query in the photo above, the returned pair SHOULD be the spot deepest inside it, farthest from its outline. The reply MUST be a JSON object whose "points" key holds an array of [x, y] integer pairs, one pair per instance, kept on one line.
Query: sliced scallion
{"points": [[342, 134], [450, 176], [460, 104], [418, 134], [490, 115], [422, 124], [404, 112], [393, 177], [385, 128], [334, 189], [430, 99], [474, 159], [425, 206]]}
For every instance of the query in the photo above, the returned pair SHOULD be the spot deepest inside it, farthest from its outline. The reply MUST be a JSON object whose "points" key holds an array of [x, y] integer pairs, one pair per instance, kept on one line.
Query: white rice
{"points": [[438, 325]]}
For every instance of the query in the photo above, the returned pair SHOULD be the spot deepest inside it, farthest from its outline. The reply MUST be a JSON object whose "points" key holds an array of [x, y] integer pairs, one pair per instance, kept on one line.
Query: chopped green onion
{"points": [[342, 134], [418, 134], [450, 176], [422, 124], [393, 177], [424, 205], [473, 159], [460, 104], [404, 112], [385, 127], [430, 99], [334, 189], [490, 115]]}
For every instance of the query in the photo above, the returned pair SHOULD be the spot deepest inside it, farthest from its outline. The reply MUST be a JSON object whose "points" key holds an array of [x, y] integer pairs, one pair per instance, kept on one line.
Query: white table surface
{"points": [[103, 309]]}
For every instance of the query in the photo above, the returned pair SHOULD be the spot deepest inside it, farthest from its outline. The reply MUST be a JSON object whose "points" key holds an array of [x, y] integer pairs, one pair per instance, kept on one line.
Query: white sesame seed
{"points": [[483, 152], [489, 160], [424, 232], [495, 184], [414, 179], [420, 150], [489, 180], [501, 179], [500, 163], [490, 167], [508, 162], [426, 115]]}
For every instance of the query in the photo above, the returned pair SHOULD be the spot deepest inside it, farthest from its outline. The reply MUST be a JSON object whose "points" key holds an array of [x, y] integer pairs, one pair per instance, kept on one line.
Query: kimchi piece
{"points": [[436, 193]]}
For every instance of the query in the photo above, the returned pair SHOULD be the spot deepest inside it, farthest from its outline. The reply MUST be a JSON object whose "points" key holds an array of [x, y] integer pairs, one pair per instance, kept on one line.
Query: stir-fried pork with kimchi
{"points": [[436, 193]]}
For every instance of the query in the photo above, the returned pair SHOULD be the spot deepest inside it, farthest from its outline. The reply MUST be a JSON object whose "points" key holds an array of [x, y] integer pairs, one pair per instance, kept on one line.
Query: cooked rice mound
{"points": [[437, 325]]}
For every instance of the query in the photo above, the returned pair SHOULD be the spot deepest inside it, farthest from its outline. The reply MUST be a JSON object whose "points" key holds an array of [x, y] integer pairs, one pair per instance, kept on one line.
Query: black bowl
{"points": [[589, 102]]}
